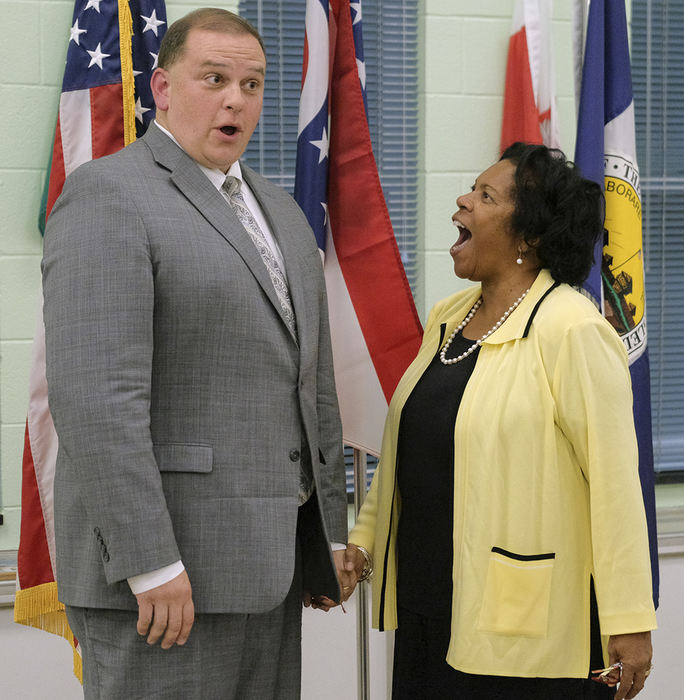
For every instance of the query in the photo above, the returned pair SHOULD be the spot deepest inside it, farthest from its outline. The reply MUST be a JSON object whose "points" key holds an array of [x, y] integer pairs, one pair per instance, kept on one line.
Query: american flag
{"points": [[105, 103], [106, 99], [374, 325]]}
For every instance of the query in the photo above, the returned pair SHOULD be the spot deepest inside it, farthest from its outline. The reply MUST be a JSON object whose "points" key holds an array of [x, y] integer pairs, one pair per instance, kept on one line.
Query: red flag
{"points": [[102, 107], [530, 112], [374, 324]]}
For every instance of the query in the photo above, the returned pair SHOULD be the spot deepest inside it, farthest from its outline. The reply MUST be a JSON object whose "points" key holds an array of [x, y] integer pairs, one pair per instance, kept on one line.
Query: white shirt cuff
{"points": [[336, 546], [152, 579]]}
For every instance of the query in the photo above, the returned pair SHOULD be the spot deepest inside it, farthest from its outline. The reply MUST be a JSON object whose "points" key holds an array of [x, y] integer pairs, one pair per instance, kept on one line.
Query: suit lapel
{"points": [[195, 186], [288, 239]]}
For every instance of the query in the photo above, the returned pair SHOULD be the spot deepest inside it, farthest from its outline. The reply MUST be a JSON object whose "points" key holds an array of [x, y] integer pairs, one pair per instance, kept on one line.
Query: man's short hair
{"points": [[211, 19]]}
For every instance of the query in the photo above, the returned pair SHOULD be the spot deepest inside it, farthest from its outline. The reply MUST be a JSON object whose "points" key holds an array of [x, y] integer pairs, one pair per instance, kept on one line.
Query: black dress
{"points": [[425, 473]]}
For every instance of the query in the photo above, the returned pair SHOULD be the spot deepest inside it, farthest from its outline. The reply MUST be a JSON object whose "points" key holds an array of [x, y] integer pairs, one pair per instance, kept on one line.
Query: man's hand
{"points": [[634, 651], [169, 610], [347, 577]]}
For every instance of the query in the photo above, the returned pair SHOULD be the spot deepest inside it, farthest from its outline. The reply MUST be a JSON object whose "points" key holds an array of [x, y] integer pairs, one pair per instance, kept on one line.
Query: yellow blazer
{"points": [[546, 490]]}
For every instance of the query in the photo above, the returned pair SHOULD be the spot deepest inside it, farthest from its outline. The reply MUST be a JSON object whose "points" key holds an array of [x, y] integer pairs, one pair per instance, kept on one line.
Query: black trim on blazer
{"points": [[442, 333], [385, 559], [536, 308], [523, 557]]}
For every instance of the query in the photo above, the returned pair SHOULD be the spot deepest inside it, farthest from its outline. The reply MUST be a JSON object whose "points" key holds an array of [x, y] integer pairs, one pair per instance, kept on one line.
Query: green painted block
{"points": [[567, 117], [19, 288], [443, 55], [11, 454], [55, 22], [19, 57], [470, 8], [15, 360], [484, 52], [20, 193], [25, 107], [474, 121], [563, 60], [9, 530]]}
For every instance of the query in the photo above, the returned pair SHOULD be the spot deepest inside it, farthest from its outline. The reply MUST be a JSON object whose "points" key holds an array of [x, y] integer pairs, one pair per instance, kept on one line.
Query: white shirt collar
{"points": [[216, 176]]}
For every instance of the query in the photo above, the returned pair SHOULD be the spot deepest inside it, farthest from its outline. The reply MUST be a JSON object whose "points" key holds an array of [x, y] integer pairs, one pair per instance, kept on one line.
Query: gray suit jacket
{"points": [[182, 403]]}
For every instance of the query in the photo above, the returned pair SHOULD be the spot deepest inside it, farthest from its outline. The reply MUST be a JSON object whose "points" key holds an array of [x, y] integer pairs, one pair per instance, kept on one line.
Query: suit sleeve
{"points": [[333, 478], [98, 286], [592, 389]]}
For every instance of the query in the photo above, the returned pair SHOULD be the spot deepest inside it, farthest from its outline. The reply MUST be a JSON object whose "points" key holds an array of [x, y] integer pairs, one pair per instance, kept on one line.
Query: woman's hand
{"points": [[634, 651], [354, 560]]}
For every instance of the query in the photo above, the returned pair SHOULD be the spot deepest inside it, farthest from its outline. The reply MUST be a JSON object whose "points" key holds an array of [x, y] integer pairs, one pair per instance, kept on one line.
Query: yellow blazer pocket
{"points": [[517, 593]]}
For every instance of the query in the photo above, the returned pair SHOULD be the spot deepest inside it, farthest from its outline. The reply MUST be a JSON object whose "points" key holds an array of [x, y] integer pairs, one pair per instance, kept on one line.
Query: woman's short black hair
{"points": [[558, 213]]}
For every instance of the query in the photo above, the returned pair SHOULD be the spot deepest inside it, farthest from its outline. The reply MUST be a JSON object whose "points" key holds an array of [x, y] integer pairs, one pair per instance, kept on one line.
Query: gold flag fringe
{"points": [[39, 607], [127, 78]]}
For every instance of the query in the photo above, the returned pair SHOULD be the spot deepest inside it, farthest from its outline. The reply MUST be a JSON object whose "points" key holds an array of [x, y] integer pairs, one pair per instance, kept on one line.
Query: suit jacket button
{"points": [[105, 556], [294, 455], [96, 530]]}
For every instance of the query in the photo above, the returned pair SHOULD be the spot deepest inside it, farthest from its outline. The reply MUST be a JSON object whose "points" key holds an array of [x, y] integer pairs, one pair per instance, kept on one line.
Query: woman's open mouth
{"points": [[463, 238]]}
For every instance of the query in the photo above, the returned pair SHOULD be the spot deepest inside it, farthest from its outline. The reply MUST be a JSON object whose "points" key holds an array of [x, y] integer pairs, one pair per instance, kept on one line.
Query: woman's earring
{"points": [[520, 257]]}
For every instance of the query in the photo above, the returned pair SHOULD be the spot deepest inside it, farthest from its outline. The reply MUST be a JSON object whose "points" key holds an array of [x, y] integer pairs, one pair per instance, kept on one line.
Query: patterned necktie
{"points": [[244, 215], [275, 272]]}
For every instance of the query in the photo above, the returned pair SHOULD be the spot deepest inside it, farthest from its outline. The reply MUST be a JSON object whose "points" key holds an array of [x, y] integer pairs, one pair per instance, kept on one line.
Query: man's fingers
{"points": [[323, 603], [159, 622], [188, 621], [173, 627], [145, 611], [170, 609]]}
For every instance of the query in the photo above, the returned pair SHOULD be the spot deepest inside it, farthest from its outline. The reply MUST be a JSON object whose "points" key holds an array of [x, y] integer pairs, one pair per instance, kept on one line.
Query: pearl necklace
{"points": [[477, 343]]}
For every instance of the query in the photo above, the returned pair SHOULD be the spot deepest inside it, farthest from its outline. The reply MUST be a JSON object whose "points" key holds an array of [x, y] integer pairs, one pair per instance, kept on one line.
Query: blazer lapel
{"points": [[288, 238], [193, 184]]}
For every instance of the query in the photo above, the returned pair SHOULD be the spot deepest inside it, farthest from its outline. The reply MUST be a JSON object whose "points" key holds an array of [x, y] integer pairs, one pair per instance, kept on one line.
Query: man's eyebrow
{"points": [[218, 64]]}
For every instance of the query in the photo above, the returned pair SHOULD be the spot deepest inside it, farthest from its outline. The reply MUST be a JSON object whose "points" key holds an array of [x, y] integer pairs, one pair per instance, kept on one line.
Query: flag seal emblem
{"points": [[622, 268]]}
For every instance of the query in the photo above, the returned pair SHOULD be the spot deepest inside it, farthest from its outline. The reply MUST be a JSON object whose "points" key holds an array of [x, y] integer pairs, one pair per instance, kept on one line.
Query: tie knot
{"points": [[231, 185]]}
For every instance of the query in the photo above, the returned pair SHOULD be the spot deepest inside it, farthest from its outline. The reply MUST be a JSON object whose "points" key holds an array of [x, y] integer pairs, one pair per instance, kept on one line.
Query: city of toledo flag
{"points": [[374, 325], [606, 153], [105, 102]]}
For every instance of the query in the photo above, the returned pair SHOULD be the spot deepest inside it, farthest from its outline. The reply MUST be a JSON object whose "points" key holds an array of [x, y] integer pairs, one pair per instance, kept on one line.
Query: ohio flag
{"points": [[106, 100], [530, 110], [606, 153], [374, 325]]}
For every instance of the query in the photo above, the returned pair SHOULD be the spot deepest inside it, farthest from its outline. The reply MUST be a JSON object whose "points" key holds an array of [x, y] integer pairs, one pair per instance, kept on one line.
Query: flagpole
{"points": [[360, 480]]}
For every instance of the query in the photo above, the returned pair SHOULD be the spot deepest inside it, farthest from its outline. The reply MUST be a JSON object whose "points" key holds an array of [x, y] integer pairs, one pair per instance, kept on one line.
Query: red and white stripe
{"points": [[530, 111]]}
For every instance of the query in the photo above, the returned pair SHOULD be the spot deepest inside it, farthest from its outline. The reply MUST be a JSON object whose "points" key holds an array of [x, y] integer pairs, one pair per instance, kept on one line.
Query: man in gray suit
{"points": [[200, 478]]}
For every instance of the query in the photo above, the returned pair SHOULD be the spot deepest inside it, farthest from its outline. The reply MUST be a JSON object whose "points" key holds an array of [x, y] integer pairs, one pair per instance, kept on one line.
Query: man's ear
{"points": [[160, 89]]}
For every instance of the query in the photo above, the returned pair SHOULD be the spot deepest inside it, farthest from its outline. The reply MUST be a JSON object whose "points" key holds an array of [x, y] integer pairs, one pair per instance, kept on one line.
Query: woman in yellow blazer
{"points": [[505, 520]]}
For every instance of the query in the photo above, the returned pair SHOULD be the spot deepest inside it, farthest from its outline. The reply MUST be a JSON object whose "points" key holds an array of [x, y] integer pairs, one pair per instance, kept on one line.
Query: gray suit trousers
{"points": [[227, 656]]}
